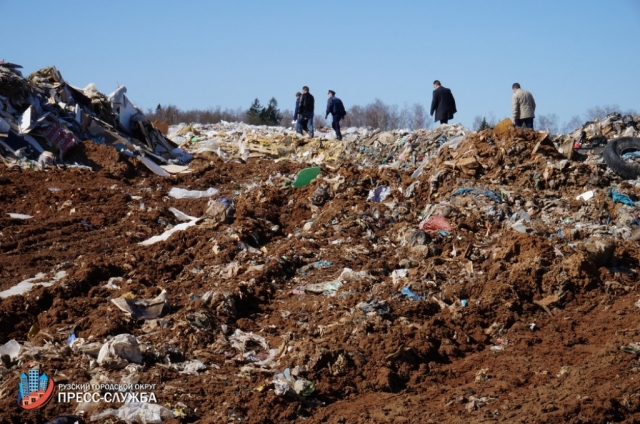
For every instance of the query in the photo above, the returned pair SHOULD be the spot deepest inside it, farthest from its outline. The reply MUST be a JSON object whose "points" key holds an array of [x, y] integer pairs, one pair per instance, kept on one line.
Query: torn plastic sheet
{"points": [[378, 194], [619, 197], [26, 285], [192, 367], [180, 227], [137, 412], [181, 193], [411, 295], [119, 351], [181, 216], [11, 348], [142, 308]]}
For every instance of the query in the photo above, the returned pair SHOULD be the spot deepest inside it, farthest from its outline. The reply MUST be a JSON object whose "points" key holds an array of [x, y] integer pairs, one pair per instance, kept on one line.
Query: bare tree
{"points": [[420, 119], [600, 112], [573, 124], [477, 122], [548, 122]]}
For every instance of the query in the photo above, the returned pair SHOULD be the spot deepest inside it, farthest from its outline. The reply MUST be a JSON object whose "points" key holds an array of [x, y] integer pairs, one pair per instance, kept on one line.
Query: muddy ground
{"points": [[539, 340]]}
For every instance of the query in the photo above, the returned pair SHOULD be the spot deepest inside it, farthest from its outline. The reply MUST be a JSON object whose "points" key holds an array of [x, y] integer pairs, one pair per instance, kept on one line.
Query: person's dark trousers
{"points": [[526, 123], [335, 124], [444, 121]]}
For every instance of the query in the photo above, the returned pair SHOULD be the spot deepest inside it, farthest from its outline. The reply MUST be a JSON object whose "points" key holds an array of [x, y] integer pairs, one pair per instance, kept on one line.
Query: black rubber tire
{"points": [[612, 155]]}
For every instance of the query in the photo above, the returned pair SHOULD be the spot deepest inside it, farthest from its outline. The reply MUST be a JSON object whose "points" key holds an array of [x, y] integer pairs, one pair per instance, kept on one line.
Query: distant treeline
{"points": [[376, 114]]}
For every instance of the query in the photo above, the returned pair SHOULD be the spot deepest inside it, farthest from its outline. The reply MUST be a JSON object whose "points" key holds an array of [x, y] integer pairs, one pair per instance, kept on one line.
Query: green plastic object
{"points": [[306, 176]]}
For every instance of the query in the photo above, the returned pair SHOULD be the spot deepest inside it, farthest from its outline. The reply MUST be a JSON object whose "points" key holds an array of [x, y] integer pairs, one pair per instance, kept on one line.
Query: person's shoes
{"points": [[339, 138], [309, 136]]}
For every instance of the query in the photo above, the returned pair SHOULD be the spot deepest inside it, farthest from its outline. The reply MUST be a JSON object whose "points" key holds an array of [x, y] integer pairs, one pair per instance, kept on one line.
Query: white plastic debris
{"points": [[193, 367], [142, 308], [180, 193], [587, 195], [19, 216], [137, 412], [180, 227], [10, 348], [111, 284], [119, 351], [242, 341]]}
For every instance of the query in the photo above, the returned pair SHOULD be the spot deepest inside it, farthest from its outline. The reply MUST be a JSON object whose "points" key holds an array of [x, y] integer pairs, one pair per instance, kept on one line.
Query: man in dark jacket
{"points": [[336, 109], [443, 103], [305, 111], [295, 113]]}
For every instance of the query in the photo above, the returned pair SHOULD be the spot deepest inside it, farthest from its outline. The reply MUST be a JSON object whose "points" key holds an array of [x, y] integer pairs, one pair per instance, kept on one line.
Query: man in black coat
{"points": [[443, 103], [305, 111]]}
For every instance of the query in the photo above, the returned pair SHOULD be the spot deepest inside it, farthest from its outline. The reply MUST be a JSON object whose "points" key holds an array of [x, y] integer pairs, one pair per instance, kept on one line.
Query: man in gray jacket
{"points": [[523, 107]]}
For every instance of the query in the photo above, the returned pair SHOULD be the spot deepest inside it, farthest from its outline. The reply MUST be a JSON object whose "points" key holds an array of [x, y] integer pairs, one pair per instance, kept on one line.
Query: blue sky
{"points": [[199, 54]]}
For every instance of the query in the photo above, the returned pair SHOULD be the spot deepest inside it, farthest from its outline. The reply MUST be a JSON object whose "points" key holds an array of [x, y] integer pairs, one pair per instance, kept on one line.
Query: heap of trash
{"points": [[435, 275], [42, 118]]}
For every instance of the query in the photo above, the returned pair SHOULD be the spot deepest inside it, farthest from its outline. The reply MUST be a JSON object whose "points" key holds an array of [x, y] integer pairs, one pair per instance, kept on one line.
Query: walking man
{"points": [[336, 109], [523, 107], [443, 103], [305, 111]]}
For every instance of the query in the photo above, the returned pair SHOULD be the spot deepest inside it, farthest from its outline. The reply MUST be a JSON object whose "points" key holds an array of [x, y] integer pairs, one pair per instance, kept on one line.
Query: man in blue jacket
{"points": [[443, 103], [305, 111], [336, 109]]}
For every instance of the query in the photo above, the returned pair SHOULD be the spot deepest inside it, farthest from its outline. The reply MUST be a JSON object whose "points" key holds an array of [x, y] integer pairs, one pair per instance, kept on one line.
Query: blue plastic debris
{"points": [[411, 295], [464, 302], [71, 338], [619, 197], [322, 264]]}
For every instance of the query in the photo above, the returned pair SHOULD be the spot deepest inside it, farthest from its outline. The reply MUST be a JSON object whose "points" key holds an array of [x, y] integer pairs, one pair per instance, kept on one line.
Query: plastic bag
{"points": [[180, 193]]}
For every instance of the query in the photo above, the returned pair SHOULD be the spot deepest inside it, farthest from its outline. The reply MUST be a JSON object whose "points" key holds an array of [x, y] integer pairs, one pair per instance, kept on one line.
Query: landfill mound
{"points": [[433, 276]]}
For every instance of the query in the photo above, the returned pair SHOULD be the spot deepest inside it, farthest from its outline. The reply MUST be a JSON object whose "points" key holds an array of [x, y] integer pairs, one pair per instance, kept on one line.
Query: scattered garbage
{"points": [[367, 275], [136, 412], [285, 384]]}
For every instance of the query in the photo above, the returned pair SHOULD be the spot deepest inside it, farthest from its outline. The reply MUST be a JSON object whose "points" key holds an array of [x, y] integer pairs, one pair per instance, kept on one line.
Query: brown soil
{"points": [[422, 362]]}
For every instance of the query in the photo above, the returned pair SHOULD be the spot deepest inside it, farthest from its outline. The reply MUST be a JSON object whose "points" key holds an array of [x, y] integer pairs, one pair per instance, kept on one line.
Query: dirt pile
{"points": [[428, 276], [512, 306]]}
